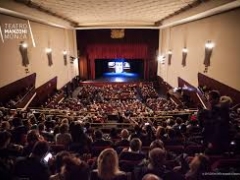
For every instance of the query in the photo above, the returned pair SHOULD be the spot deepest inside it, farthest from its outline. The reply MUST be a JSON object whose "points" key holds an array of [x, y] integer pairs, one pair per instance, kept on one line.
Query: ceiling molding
{"points": [[201, 15], [116, 27]]}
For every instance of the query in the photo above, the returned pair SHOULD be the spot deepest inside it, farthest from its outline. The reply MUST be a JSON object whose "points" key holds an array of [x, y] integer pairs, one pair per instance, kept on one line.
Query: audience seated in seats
{"points": [[72, 169], [157, 158], [137, 133], [5, 126], [160, 132], [6, 161], [99, 141], [131, 156], [179, 135], [173, 137], [81, 142], [64, 137], [177, 124], [114, 135], [46, 135], [198, 166], [133, 153], [58, 162], [89, 130], [149, 135], [157, 144], [19, 131], [124, 142], [32, 137], [107, 167], [33, 166]]}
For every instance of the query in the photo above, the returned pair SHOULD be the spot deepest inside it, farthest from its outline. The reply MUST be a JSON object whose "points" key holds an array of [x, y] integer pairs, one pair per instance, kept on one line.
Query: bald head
{"points": [[151, 177]]}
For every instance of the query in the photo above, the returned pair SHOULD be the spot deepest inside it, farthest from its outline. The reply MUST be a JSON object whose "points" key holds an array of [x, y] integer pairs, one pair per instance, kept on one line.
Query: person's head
{"points": [[16, 122], [151, 177], [74, 169], [41, 127], [179, 120], [5, 138], [98, 134], [5, 125], [113, 133], [40, 149], [87, 125], [137, 128], [107, 164], [171, 133], [59, 160], [157, 157], [213, 97], [200, 163], [63, 128], [159, 132], [135, 145], [65, 121], [32, 137], [157, 144], [124, 134]]}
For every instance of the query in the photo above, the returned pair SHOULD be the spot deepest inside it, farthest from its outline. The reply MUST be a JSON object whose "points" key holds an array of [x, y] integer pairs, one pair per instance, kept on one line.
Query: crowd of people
{"points": [[62, 143]]}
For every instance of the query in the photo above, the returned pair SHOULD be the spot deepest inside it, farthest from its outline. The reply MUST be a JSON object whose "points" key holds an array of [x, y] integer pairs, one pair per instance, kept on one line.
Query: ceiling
{"points": [[113, 12], [109, 13]]}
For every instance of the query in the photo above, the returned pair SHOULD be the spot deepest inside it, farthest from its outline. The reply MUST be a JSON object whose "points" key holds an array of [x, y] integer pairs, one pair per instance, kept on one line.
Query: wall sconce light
{"points": [[49, 56], [169, 57], [65, 57], [161, 59], [208, 53], [184, 56], [48, 50], [72, 59], [24, 53]]}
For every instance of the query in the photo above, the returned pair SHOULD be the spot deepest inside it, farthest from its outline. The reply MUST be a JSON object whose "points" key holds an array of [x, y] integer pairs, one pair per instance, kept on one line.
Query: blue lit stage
{"points": [[119, 77], [115, 78]]}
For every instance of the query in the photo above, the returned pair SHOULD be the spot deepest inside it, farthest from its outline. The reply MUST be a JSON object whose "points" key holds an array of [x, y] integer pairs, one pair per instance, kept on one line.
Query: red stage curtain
{"points": [[110, 51]]}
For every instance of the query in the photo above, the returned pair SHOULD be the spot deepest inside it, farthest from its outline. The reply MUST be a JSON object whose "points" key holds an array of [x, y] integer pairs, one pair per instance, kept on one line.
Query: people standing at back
{"points": [[215, 124]]}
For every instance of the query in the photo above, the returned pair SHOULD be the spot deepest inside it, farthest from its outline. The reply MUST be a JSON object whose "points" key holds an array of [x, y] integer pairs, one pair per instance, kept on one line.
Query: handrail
{"points": [[33, 96], [203, 104], [25, 95]]}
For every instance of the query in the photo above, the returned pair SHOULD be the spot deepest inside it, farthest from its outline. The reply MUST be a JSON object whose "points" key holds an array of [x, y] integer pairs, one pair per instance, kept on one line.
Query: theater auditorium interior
{"points": [[119, 89]]}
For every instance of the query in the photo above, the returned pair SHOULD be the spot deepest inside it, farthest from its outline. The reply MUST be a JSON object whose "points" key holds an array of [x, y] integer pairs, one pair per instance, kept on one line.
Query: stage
{"points": [[115, 78]]}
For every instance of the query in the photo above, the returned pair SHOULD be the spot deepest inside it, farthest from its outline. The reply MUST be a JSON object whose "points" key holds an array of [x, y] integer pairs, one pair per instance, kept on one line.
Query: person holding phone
{"points": [[33, 166]]}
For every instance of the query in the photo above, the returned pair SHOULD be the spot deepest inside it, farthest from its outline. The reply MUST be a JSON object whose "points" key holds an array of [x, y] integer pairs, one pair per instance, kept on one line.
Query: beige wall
{"points": [[223, 30], [58, 39]]}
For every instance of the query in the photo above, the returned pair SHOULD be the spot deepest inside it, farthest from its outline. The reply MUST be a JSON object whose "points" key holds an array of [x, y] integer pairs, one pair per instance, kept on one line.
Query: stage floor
{"points": [[117, 78]]}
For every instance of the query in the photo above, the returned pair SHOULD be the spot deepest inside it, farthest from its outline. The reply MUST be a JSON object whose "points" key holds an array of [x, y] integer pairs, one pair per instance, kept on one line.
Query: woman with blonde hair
{"points": [[108, 168]]}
